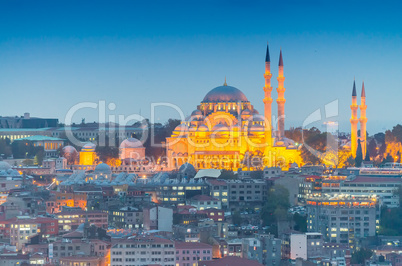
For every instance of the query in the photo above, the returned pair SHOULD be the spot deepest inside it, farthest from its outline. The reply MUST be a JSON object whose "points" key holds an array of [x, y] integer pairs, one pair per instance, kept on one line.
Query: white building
{"points": [[306, 245], [158, 218], [143, 250]]}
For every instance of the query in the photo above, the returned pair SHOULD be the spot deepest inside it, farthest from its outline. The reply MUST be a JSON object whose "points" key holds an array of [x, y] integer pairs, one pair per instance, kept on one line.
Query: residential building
{"points": [[143, 250], [202, 202], [190, 253], [70, 220], [343, 218], [158, 218]]}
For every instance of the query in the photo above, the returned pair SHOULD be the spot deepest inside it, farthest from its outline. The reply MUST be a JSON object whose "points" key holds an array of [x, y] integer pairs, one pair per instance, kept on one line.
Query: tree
{"points": [[320, 148], [359, 155], [276, 207], [360, 256], [300, 222], [5, 148], [236, 218], [367, 157]]}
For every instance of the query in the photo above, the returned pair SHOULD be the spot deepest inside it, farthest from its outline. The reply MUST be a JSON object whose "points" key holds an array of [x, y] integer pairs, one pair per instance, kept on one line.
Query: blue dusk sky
{"points": [[56, 54]]}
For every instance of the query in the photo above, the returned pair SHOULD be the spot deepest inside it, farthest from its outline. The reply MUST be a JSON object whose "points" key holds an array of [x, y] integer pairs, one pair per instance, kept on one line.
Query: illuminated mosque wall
{"points": [[88, 154], [225, 129]]}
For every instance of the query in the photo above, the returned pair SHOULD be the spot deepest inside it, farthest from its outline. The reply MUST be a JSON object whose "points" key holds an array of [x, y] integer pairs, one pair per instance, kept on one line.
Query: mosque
{"points": [[227, 132]]}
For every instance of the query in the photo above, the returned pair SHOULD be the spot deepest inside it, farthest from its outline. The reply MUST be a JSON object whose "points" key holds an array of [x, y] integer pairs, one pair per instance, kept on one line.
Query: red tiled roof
{"points": [[232, 261]]}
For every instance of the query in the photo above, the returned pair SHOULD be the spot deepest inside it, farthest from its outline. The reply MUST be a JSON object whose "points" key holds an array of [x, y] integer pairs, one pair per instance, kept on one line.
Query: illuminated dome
{"points": [[220, 127], [256, 127], [89, 147], [131, 143], [4, 166], [203, 127], [102, 169], [225, 94]]}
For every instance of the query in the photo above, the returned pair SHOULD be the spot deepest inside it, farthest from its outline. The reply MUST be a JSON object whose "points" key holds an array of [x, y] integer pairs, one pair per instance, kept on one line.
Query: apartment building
{"points": [[143, 250]]}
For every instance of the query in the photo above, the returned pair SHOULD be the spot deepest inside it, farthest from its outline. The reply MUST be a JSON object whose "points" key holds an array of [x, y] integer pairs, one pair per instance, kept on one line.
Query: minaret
{"points": [[281, 99], [268, 99], [363, 121], [353, 121]]}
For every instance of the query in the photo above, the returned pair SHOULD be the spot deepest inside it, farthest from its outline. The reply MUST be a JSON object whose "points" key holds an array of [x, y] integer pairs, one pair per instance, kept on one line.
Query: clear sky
{"points": [[56, 54]]}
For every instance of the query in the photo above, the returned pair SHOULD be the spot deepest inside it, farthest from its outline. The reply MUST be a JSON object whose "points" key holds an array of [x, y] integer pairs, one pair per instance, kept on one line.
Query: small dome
{"points": [[4, 166], [192, 128], [285, 142], [246, 112], [90, 147], [131, 143], [69, 150], [196, 112], [256, 127], [236, 127], [102, 168], [181, 127], [203, 127], [220, 127], [258, 118], [225, 94], [255, 112], [187, 169]]}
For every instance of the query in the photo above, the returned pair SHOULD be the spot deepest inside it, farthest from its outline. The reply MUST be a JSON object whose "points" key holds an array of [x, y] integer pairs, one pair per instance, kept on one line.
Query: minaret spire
{"points": [[268, 99], [353, 121], [281, 99], [225, 84], [363, 121]]}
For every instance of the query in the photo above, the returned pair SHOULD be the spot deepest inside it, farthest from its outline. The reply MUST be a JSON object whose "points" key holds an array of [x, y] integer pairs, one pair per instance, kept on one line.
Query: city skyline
{"points": [[59, 56]]}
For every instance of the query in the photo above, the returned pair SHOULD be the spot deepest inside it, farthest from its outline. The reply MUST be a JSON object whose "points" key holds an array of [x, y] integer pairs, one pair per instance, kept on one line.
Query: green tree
{"points": [[236, 218], [276, 207], [5, 148], [359, 155], [300, 222], [360, 256]]}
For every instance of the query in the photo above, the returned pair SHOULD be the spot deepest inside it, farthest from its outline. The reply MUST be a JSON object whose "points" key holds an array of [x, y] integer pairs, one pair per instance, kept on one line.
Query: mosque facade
{"points": [[227, 132]]}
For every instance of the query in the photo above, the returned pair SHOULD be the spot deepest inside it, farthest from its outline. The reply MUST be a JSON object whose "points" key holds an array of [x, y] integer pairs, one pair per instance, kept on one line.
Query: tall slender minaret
{"points": [[363, 121], [268, 99], [353, 121], [281, 99]]}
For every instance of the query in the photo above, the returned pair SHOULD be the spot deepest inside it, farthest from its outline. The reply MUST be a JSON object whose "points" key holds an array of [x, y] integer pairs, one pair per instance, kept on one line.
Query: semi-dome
{"points": [[4, 166], [131, 143], [203, 127], [102, 168], [196, 112], [220, 127], [225, 94]]}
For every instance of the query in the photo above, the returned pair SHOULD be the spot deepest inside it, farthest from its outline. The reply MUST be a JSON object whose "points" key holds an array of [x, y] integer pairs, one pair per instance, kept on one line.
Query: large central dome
{"points": [[225, 94]]}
